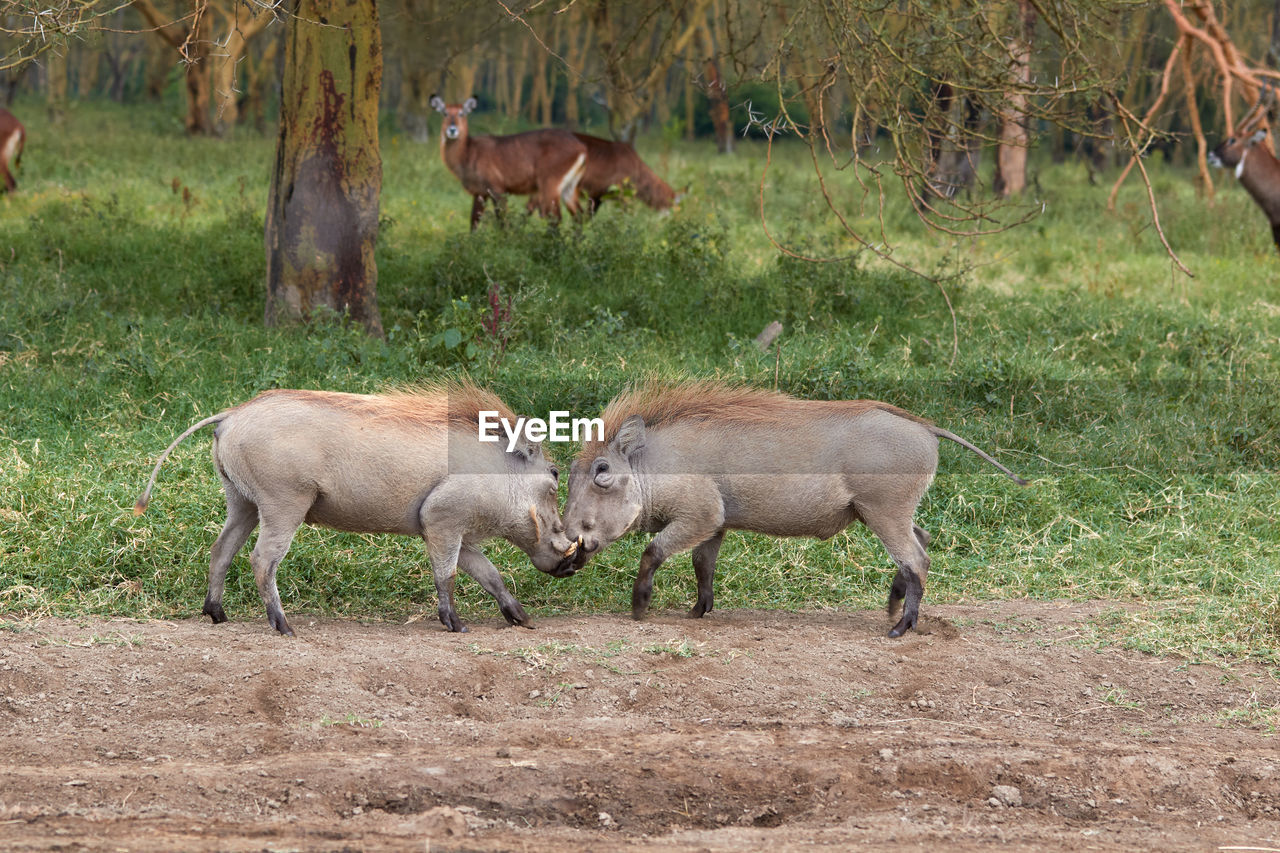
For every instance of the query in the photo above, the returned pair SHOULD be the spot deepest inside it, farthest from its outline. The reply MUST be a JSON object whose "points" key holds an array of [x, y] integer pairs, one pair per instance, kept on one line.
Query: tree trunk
{"points": [[629, 99], [464, 71], [690, 114], [580, 33], [717, 93], [159, 62], [9, 80], [1011, 155], [719, 108], [242, 25], [119, 53], [88, 66], [258, 78], [56, 75], [539, 108], [1273, 51], [193, 46], [199, 87], [322, 210], [515, 94]]}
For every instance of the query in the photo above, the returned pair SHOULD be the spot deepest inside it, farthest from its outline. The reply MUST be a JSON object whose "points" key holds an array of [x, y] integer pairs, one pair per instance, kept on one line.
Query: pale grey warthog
{"points": [[692, 460], [408, 463]]}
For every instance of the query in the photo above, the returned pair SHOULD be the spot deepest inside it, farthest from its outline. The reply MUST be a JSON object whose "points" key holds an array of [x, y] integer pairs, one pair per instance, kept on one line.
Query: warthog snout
{"points": [[571, 562]]}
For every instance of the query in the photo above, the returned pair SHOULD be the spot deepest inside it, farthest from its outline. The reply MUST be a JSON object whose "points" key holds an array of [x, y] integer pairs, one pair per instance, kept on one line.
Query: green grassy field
{"points": [[1140, 403]]}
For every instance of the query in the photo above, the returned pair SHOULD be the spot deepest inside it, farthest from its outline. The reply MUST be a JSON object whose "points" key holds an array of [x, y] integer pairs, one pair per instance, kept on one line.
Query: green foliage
{"points": [[1142, 405]]}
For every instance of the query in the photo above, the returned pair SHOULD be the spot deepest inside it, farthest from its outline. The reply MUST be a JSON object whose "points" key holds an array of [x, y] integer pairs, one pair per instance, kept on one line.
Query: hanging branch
{"points": [[1197, 130], [1140, 149]]}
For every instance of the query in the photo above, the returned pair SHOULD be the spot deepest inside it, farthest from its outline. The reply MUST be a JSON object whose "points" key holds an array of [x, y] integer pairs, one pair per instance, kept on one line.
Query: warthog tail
{"points": [[140, 506], [951, 436]]}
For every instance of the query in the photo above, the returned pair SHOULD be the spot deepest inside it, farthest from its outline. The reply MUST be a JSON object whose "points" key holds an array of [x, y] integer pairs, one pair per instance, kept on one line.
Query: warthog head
{"points": [[543, 538], [604, 493]]}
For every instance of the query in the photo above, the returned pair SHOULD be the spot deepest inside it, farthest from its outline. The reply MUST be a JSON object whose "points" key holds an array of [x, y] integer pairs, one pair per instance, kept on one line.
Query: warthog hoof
{"points": [[902, 627], [700, 609], [449, 618], [515, 615], [213, 610], [281, 624]]}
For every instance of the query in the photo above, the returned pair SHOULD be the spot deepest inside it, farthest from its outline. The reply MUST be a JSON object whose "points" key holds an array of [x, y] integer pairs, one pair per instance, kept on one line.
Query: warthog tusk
{"points": [[537, 528], [572, 549]]}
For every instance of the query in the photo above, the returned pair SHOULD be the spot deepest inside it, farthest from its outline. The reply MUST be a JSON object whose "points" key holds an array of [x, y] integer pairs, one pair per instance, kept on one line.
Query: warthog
{"points": [[408, 463], [690, 461]]}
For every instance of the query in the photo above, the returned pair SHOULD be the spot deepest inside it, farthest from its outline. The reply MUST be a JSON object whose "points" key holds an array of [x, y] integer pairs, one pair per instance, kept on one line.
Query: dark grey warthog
{"points": [[408, 463], [690, 461]]}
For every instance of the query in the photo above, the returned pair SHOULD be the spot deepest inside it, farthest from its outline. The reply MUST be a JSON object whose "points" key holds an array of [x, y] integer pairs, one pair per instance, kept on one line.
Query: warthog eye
{"points": [[555, 472], [601, 475]]}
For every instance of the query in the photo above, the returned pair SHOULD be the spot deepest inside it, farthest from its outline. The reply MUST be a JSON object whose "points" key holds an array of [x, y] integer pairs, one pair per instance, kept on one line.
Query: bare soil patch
{"points": [[991, 727]]}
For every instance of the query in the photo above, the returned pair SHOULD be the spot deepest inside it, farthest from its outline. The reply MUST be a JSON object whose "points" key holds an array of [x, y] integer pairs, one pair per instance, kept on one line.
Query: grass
{"points": [[1141, 404], [353, 720]]}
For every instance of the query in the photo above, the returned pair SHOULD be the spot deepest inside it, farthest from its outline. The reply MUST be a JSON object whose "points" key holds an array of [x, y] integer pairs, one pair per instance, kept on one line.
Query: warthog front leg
{"points": [[473, 561], [680, 535], [443, 550], [704, 568], [242, 518]]}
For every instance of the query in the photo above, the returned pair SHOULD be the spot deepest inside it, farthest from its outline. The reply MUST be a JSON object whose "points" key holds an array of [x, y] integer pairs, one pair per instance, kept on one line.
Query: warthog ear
{"points": [[469, 104], [437, 103], [630, 437], [527, 451]]}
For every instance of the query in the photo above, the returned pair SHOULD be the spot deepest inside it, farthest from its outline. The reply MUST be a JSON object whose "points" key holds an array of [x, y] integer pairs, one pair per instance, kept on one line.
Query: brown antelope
{"points": [[1256, 168], [545, 164], [611, 164], [12, 138]]}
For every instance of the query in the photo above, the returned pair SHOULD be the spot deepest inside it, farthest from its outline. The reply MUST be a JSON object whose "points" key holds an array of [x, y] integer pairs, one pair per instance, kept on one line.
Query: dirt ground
{"points": [[991, 727]]}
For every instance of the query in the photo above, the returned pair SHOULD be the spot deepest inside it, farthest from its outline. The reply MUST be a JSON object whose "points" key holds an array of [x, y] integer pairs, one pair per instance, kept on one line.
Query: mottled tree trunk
{"points": [[322, 211], [1011, 154]]}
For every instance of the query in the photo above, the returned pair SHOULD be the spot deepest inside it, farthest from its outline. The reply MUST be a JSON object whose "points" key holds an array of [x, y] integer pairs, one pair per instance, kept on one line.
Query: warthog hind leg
{"points": [[278, 529], [898, 589], [242, 518], [897, 592], [904, 542], [704, 568], [444, 550]]}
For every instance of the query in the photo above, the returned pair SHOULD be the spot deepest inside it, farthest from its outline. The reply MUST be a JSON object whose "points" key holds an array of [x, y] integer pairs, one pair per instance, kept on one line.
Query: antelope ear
{"points": [[630, 437], [437, 103], [1258, 136], [469, 104]]}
